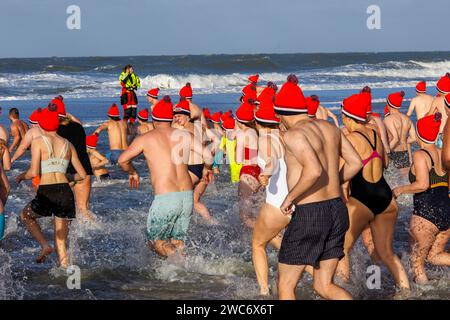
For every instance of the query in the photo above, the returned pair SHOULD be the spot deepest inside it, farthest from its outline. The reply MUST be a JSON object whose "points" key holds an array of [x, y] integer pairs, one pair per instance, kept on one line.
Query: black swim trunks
{"points": [[400, 159], [197, 169], [54, 200], [316, 233], [434, 206], [104, 177]]}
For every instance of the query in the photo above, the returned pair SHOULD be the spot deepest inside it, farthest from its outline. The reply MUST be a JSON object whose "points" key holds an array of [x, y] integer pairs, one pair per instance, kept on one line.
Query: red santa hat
{"points": [[268, 92], [186, 91], [395, 100], [143, 115], [386, 111], [206, 113], [249, 92], [215, 117], [313, 104], [49, 119], [226, 114], [60, 106], [228, 123], [366, 95], [245, 113], [182, 108], [290, 100], [447, 100], [266, 113], [34, 117], [427, 128], [91, 141], [153, 93], [113, 111], [163, 110], [421, 87], [254, 78], [355, 107], [443, 85]]}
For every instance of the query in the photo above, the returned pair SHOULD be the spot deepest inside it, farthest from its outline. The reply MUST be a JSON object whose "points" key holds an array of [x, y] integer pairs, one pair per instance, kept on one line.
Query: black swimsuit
{"points": [[197, 169], [375, 196]]}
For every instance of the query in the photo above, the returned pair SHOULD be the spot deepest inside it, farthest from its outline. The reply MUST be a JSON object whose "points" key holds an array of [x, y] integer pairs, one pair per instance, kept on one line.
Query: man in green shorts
{"points": [[167, 153]]}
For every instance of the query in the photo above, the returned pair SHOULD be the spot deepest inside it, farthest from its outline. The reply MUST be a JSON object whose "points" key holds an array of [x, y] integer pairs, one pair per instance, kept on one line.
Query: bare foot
{"points": [[87, 215], [264, 292], [46, 251]]}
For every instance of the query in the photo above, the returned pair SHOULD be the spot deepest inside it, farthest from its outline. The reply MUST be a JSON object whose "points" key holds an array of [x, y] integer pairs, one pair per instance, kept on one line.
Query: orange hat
{"points": [[186, 91], [34, 117], [153, 93], [245, 113], [143, 115], [443, 85], [113, 111], [427, 128], [91, 141], [49, 119], [313, 104], [182, 108], [290, 99], [386, 111], [266, 113], [228, 123], [215, 117], [421, 87], [355, 107], [254, 78], [249, 92], [395, 100], [163, 110]]}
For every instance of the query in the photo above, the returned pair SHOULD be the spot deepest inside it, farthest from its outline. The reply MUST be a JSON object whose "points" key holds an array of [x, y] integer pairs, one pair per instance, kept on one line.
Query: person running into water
{"points": [[50, 157], [4, 190], [420, 104], [98, 161], [6, 159], [152, 97], [315, 235], [270, 221], [129, 82], [246, 154], [401, 133], [18, 128], [171, 210], [219, 151], [229, 126], [446, 139], [196, 112], [181, 116], [74, 132], [324, 113], [430, 221], [144, 125], [438, 105], [117, 134], [370, 201]]}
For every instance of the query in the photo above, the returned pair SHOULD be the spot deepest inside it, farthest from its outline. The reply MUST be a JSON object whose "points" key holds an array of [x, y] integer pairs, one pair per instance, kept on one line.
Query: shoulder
{"points": [[420, 157]]}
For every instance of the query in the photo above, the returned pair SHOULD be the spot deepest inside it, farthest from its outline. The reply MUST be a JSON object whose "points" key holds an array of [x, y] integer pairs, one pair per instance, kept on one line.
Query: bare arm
{"points": [[99, 156], [383, 134], [135, 149], [411, 108], [73, 118], [103, 126], [393, 134], [422, 177], [333, 117], [23, 146], [76, 163], [16, 137], [35, 165], [353, 162], [446, 147]]}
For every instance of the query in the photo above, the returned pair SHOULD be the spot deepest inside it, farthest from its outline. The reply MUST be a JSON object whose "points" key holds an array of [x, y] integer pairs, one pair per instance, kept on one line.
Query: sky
{"points": [[30, 28]]}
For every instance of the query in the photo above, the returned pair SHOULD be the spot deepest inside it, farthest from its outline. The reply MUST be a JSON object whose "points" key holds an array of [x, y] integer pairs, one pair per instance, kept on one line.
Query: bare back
{"points": [[322, 113], [117, 133], [439, 106], [421, 104], [325, 140], [398, 127], [145, 127]]}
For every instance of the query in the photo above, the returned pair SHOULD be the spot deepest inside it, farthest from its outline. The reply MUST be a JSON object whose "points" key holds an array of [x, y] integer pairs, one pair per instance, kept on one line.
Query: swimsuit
{"points": [[375, 196], [316, 232], [434, 203], [252, 169], [197, 169], [400, 159], [170, 215], [218, 157], [439, 141], [113, 156], [235, 168], [2, 225]]}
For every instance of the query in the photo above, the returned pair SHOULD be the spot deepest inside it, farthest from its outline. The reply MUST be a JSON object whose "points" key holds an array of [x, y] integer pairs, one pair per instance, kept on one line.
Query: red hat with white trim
{"points": [[266, 113], [268, 92], [290, 99], [254, 78], [228, 123], [153, 93], [215, 117], [163, 110], [182, 108], [355, 107], [226, 114], [421, 87], [186, 91], [49, 119], [313, 104], [386, 111], [91, 141], [60, 106], [395, 100], [443, 85], [143, 115], [114, 111], [206, 113], [245, 113], [366, 93], [427, 128], [249, 92], [447, 100], [34, 117]]}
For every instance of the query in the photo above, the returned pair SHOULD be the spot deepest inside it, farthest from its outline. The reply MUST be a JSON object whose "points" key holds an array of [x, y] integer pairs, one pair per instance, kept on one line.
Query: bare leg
{"points": [[30, 219], [163, 247], [288, 277], [359, 215], [437, 254], [367, 240], [383, 231], [423, 234], [323, 282], [246, 190], [199, 207], [82, 192], [268, 225], [61, 234]]}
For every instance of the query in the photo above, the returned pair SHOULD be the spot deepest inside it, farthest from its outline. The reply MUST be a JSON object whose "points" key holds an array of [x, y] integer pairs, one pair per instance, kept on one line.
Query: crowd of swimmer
{"points": [[323, 185]]}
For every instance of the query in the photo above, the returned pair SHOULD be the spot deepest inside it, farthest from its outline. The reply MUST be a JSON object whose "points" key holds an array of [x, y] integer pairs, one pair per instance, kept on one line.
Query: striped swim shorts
{"points": [[316, 233]]}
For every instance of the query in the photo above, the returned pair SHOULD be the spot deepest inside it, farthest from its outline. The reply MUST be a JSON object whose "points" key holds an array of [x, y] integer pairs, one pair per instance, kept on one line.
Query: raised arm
{"points": [[352, 160], [135, 149], [103, 126]]}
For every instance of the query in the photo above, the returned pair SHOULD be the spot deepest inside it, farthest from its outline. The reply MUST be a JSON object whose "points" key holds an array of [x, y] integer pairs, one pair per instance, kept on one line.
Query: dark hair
{"points": [[268, 125], [14, 112], [127, 67], [115, 118]]}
